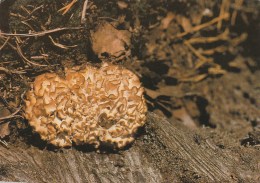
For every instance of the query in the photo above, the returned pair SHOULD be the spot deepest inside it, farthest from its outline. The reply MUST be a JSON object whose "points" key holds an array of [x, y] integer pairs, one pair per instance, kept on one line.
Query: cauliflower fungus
{"points": [[93, 106]]}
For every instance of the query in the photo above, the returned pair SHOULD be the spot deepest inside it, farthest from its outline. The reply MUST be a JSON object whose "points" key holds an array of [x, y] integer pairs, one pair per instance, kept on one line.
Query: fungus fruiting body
{"points": [[90, 106]]}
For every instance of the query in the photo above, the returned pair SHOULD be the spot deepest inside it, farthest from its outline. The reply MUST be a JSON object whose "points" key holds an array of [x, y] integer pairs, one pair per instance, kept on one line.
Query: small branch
{"points": [[224, 9], [19, 51], [66, 8], [238, 3], [202, 26], [83, 14], [200, 56], [36, 9], [221, 37], [41, 33], [6, 41], [11, 72], [61, 45]]}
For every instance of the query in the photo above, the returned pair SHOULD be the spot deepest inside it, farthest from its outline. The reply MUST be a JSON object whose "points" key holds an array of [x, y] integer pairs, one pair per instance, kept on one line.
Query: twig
{"points": [[17, 15], [218, 49], [25, 10], [6, 41], [242, 8], [27, 24], [41, 33], [224, 9], [193, 78], [19, 40], [202, 26], [238, 3], [83, 14], [66, 8], [223, 36], [200, 56], [35, 9], [11, 72], [19, 51], [236, 41], [61, 45]]}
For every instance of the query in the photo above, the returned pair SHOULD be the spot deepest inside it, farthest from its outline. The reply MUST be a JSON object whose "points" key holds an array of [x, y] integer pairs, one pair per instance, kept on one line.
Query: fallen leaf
{"points": [[107, 41], [186, 24], [183, 115], [216, 70], [196, 78], [122, 4], [4, 130], [4, 127], [165, 22]]}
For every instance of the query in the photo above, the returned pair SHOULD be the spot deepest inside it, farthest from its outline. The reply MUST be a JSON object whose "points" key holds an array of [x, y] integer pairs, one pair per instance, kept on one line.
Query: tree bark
{"points": [[164, 152]]}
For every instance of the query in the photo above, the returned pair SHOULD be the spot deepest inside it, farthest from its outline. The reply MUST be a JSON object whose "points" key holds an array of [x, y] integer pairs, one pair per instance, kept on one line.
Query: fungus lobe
{"points": [[90, 106]]}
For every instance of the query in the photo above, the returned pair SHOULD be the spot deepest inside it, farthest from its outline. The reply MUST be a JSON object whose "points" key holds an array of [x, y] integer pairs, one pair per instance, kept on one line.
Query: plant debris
{"points": [[197, 61]]}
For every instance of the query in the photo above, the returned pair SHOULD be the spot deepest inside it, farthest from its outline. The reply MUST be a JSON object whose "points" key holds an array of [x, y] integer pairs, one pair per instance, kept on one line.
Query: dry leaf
{"points": [[122, 4], [186, 24], [183, 115], [165, 22], [4, 127], [196, 78], [216, 70], [4, 130], [110, 42]]}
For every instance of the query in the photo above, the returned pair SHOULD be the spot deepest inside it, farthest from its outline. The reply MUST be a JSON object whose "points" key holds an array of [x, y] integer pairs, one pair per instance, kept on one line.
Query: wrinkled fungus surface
{"points": [[91, 106]]}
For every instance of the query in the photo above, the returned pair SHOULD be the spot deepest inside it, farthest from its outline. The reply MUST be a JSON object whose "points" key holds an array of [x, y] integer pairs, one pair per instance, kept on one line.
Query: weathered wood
{"points": [[34, 165], [208, 161], [178, 155]]}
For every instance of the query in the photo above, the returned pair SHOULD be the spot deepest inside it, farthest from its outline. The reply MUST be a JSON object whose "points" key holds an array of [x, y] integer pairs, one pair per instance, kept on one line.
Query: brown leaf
{"points": [[4, 130], [216, 70], [122, 4], [186, 24], [152, 93], [4, 127], [165, 22], [184, 116], [107, 40], [196, 78]]}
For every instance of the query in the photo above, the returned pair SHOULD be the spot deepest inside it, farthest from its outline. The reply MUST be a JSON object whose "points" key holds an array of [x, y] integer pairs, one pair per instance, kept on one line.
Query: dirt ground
{"points": [[198, 61]]}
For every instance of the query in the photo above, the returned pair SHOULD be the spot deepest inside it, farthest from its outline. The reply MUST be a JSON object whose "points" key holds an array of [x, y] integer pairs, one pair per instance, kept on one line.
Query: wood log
{"points": [[163, 152]]}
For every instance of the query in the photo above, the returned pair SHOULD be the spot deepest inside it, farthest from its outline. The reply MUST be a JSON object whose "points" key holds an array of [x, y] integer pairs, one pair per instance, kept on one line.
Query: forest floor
{"points": [[199, 62]]}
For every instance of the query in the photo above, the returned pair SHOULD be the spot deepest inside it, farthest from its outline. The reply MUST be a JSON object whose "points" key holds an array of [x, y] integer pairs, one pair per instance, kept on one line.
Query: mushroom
{"points": [[90, 106]]}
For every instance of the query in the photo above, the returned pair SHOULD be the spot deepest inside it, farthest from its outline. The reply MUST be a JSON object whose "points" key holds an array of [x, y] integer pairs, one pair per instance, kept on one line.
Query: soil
{"points": [[203, 76]]}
